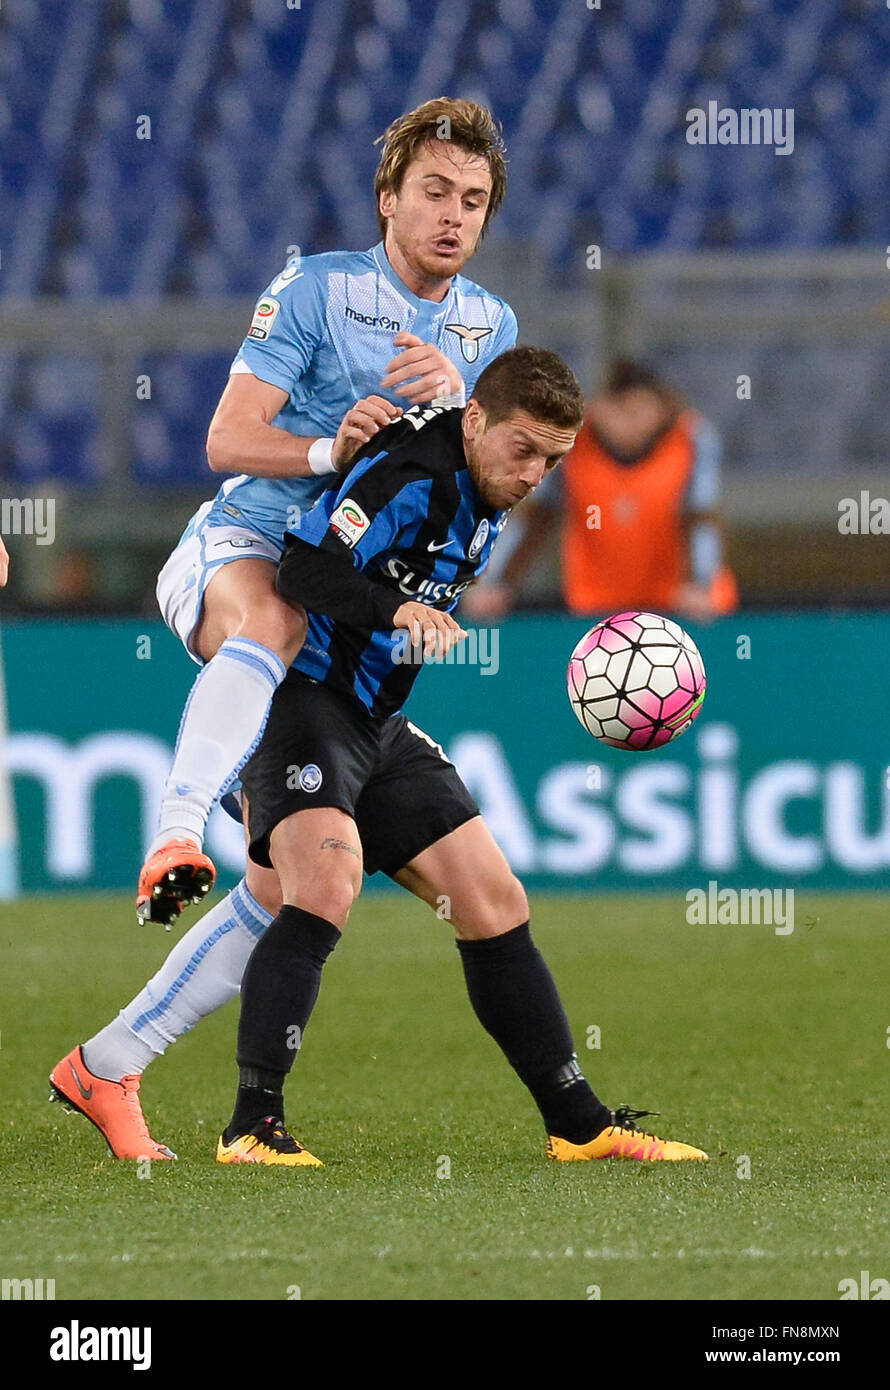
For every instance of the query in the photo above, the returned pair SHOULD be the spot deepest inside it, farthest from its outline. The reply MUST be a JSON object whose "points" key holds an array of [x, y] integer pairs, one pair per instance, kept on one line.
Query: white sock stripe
{"points": [[158, 1006], [249, 912], [202, 972], [257, 654]]}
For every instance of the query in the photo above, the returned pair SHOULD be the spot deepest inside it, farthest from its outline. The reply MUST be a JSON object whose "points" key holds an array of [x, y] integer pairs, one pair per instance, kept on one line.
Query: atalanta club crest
{"points": [[311, 778], [478, 541]]}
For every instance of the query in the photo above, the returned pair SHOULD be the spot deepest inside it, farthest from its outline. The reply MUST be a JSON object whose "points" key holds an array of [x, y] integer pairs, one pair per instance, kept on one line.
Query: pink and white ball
{"points": [[636, 681]]}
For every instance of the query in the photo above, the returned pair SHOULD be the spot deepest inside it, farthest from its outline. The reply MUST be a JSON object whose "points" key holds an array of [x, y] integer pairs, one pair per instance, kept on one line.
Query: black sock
{"points": [[260, 1095], [278, 994], [516, 1001]]}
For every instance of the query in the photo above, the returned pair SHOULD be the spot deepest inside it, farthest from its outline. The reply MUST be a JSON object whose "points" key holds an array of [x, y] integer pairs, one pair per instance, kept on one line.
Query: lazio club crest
{"points": [[470, 339]]}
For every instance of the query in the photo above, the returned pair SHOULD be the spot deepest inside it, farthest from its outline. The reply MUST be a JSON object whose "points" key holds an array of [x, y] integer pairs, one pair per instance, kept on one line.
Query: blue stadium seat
{"points": [[263, 122]]}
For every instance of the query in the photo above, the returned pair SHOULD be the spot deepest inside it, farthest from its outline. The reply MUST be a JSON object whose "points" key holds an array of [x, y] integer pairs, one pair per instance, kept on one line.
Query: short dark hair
{"points": [[467, 124], [532, 379], [623, 375]]}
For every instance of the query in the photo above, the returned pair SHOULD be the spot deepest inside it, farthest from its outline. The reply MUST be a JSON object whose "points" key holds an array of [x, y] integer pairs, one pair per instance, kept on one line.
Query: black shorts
{"points": [[320, 749]]}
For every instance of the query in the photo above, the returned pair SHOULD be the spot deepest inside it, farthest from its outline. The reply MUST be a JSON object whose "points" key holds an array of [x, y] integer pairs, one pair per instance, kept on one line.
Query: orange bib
{"points": [[624, 544]]}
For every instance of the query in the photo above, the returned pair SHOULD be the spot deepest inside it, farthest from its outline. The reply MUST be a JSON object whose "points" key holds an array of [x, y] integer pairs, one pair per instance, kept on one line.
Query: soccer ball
{"points": [[636, 681]]}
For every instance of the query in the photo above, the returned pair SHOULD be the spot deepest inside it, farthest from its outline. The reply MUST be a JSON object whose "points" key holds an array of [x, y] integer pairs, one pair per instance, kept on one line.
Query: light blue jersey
{"points": [[323, 332]]}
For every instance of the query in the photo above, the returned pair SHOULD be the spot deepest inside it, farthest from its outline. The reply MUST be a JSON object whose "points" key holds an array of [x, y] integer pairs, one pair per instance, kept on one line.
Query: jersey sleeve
{"points": [[286, 328], [328, 558], [329, 585], [376, 503]]}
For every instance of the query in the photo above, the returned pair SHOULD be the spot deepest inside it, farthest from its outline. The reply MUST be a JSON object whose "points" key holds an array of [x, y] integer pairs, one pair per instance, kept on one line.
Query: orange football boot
{"points": [[622, 1139], [112, 1106], [176, 874]]}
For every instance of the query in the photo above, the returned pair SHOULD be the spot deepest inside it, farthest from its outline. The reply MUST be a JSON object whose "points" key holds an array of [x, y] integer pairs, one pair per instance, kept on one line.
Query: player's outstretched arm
{"points": [[4, 564], [242, 439]]}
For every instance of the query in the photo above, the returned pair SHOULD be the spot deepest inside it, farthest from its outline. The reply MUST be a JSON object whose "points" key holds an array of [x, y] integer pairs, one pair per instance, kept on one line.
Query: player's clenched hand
{"points": [[359, 424], [438, 631], [4, 564], [436, 375]]}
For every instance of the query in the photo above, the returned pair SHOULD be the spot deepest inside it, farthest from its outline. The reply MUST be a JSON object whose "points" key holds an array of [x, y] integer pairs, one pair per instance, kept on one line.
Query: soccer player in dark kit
{"points": [[342, 782]]}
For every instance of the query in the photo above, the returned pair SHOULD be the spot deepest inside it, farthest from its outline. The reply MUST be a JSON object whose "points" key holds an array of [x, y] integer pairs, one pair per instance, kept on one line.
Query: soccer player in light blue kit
{"points": [[301, 397]]}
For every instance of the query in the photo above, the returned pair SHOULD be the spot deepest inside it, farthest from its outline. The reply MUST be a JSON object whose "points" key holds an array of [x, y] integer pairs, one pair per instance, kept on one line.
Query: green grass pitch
{"points": [[754, 1046]]}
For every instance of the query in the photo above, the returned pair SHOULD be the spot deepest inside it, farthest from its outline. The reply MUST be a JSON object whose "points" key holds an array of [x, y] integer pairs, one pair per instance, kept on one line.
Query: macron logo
{"points": [[76, 1343], [382, 321]]}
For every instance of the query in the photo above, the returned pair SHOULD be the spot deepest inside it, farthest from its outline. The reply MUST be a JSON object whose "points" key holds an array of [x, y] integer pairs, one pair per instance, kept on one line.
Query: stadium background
{"points": [[158, 162]]}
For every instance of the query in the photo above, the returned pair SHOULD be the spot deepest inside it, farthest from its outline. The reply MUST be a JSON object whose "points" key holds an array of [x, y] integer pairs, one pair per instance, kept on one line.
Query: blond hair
{"points": [[463, 123]]}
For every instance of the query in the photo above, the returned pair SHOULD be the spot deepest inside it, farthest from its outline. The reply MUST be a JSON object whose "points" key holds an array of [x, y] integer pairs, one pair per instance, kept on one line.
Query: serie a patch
{"points": [[264, 316], [349, 522]]}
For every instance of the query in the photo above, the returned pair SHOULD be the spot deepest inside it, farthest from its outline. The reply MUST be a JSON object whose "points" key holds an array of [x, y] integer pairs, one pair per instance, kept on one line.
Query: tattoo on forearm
{"points": [[330, 843]]}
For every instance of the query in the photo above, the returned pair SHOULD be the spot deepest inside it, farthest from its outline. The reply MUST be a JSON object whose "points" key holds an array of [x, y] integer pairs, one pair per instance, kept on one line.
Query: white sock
{"points": [[222, 724], [201, 973]]}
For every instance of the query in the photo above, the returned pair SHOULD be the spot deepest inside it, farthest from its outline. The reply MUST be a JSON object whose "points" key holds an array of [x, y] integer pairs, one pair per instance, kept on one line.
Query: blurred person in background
{"points": [[74, 583], [69, 583], [639, 497]]}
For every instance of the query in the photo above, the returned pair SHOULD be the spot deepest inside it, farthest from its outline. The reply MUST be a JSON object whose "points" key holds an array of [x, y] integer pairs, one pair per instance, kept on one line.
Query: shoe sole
{"points": [[179, 887], [262, 1163]]}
